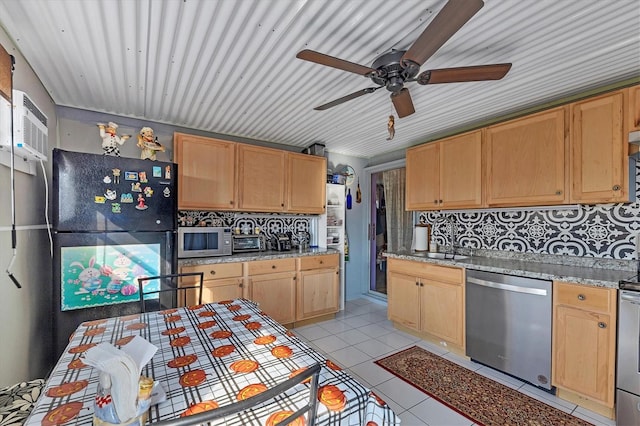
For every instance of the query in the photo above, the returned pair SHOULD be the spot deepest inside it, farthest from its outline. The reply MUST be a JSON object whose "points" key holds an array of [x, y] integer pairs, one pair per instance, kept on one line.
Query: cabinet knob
{"points": [[321, 262], [602, 324], [439, 201], [212, 272], [581, 297], [417, 283], [421, 284], [282, 205], [240, 285], [337, 272], [435, 201], [273, 266], [558, 192], [231, 202], [616, 187]]}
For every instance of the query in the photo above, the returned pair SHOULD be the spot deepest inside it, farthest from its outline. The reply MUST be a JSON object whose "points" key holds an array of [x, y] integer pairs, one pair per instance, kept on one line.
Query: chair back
{"points": [[311, 408], [171, 291]]}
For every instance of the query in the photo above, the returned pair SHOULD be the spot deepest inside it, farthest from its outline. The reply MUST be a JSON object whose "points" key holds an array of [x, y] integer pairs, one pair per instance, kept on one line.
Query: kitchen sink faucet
{"points": [[452, 231]]}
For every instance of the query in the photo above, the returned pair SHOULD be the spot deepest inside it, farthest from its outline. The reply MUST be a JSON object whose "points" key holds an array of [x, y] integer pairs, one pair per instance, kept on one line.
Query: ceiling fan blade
{"points": [[462, 74], [403, 103], [330, 61], [449, 20], [346, 98]]}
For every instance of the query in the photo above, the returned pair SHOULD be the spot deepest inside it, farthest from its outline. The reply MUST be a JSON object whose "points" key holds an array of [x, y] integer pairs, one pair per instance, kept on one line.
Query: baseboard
{"points": [[435, 340], [596, 407]]}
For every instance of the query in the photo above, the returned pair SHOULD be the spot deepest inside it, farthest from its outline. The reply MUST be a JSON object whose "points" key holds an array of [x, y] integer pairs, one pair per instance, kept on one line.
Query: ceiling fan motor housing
{"points": [[391, 72]]}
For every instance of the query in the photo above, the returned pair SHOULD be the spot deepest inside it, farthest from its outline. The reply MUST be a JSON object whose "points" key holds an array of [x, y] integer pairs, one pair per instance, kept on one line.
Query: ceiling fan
{"points": [[393, 69]]}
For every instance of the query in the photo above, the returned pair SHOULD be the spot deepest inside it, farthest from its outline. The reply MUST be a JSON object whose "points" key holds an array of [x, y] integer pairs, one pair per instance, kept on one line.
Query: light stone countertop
{"points": [[593, 276], [251, 256]]}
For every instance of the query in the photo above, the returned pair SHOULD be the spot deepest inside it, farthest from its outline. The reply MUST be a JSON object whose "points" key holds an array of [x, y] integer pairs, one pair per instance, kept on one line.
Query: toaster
{"points": [[280, 242]]}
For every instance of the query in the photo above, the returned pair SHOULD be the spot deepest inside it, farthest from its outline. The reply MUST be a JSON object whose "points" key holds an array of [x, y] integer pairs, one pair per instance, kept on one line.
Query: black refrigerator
{"points": [[114, 220]]}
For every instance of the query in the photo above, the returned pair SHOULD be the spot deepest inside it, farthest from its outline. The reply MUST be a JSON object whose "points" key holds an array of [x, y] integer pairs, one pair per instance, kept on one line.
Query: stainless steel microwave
{"points": [[204, 241]]}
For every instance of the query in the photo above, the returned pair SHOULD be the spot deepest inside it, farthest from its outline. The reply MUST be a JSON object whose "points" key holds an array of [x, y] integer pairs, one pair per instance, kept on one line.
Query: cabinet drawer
{"points": [[215, 271], [318, 262], [258, 267], [427, 271], [582, 296]]}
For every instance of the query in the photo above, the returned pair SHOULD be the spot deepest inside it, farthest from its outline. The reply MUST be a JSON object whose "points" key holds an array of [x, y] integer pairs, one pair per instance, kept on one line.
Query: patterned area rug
{"points": [[474, 396]]}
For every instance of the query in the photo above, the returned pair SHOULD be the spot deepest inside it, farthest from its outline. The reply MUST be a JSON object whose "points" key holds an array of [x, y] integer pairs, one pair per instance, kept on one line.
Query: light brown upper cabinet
{"points": [[525, 160], [633, 108], [206, 168], [445, 174], [272, 180], [306, 178], [599, 165], [261, 179]]}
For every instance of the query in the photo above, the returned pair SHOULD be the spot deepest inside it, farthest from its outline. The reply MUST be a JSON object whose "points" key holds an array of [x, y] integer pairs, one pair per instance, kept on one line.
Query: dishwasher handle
{"points": [[508, 287]]}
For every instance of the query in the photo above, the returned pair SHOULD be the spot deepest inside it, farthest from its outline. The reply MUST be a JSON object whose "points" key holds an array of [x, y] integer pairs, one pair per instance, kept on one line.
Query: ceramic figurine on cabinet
{"points": [[110, 141], [148, 144]]}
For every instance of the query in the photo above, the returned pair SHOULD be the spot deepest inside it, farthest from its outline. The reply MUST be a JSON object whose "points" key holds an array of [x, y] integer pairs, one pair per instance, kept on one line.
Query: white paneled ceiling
{"points": [[230, 66]]}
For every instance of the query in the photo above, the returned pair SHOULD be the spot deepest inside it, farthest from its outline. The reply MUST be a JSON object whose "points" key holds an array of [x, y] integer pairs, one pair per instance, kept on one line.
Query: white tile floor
{"points": [[362, 334]]}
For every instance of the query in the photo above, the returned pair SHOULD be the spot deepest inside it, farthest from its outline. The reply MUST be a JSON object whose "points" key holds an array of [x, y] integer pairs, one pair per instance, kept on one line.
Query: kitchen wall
{"points": [[25, 313], [601, 230]]}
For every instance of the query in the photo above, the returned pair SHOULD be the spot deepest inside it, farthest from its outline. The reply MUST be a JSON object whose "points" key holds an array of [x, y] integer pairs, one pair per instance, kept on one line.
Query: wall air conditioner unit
{"points": [[30, 133]]}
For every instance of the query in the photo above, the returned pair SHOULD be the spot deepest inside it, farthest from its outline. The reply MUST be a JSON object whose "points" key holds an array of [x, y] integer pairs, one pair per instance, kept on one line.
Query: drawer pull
{"points": [[616, 187], [581, 297], [602, 324], [212, 272], [321, 262]]}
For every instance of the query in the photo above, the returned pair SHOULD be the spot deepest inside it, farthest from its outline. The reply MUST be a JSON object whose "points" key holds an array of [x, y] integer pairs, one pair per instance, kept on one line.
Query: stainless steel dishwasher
{"points": [[508, 325]]}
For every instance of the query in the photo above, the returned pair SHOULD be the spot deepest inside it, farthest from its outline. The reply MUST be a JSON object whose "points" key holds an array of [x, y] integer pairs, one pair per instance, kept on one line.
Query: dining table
{"points": [[210, 355]]}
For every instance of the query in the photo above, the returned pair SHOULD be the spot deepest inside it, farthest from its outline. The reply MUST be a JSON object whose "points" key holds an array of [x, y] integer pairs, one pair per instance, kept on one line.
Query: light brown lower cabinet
{"points": [[318, 291], [427, 298], [272, 284], [223, 281], [584, 341]]}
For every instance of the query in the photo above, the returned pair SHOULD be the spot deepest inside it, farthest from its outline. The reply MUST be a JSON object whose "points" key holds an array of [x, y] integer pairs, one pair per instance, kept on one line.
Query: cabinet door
{"points": [[599, 167], [583, 360], [403, 299], [422, 190], [633, 108], [261, 179], [275, 294], [318, 292], [461, 171], [206, 169], [442, 310], [306, 183], [526, 160], [226, 289]]}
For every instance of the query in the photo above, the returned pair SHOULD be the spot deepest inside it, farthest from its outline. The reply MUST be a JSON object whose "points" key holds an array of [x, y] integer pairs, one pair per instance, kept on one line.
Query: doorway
{"points": [[389, 224]]}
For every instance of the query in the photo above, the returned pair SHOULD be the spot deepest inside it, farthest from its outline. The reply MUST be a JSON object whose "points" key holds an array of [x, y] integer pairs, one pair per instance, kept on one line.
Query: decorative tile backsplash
{"points": [[269, 224], [601, 230]]}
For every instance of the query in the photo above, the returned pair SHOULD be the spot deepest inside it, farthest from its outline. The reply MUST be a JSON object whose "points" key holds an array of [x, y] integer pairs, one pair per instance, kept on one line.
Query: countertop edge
{"points": [[588, 276], [253, 256]]}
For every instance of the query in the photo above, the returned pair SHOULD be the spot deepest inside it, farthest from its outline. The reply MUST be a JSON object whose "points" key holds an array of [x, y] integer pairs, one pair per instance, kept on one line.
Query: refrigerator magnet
{"points": [[143, 177], [157, 171], [116, 175], [99, 199], [106, 179], [166, 192], [131, 176], [167, 172], [141, 205], [135, 187], [116, 208], [148, 191], [110, 194], [126, 198]]}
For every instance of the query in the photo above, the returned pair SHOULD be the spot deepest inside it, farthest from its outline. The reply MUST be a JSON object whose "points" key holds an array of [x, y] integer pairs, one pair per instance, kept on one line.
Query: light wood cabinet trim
{"points": [[460, 165], [525, 160], [633, 109], [447, 274], [318, 293], [214, 271], [258, 267], [422, 188], [599, 169], [306, 189], [442, 311], [261, 179], [584, 297], [318, 262], [6, 89], [584, 342], [207, 172]]}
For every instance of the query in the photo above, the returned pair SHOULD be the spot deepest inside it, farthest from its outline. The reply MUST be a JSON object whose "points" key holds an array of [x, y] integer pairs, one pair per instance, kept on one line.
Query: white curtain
{"points": [[399, 221]]}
